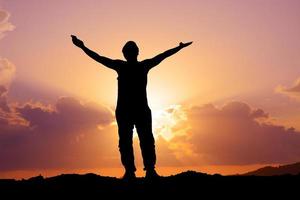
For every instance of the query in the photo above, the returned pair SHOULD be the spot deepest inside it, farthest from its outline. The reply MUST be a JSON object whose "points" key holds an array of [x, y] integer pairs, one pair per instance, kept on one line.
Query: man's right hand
{"points": [[77, 42], [183, 45]]}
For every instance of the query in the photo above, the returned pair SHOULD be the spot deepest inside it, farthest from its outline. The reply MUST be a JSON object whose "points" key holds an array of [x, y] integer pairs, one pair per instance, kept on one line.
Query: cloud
{"points": [[7, 71], [3, 101], [295, 88], [5, 25], [293, 91], [68, 115], [235, 134], [70, 134]]}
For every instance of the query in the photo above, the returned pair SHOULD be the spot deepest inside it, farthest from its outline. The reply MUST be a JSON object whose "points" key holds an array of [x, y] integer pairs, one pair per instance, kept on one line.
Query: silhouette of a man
{"points": [[132, 105]]}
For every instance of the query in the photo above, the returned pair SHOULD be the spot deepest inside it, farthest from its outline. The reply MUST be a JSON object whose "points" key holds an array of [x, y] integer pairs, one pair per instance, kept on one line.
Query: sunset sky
{"points": [[229, 103]]}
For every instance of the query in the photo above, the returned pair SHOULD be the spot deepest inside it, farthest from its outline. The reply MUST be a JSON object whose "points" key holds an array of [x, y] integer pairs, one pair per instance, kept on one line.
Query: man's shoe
{"points": [[152, 175], [129, 176]]}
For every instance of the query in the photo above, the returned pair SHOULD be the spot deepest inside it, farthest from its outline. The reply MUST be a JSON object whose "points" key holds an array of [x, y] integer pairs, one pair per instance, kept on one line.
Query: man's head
{"points": [[130, 51]]}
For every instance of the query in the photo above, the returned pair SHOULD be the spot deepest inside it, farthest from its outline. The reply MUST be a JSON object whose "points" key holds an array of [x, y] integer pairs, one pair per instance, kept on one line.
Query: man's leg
{"points": [[125, 127], [147, 143]]}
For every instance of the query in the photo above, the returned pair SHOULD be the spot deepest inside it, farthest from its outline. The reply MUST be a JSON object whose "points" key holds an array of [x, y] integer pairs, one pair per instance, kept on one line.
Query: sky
{"points": [[227, 104]]}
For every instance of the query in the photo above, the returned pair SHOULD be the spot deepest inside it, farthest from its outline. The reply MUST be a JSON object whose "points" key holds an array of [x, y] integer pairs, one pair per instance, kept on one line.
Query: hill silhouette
{"points": [[186, 184], [292, 169]]}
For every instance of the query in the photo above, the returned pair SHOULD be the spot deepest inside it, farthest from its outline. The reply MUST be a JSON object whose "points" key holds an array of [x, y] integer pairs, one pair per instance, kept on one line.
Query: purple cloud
{"points": [[233, 135]]}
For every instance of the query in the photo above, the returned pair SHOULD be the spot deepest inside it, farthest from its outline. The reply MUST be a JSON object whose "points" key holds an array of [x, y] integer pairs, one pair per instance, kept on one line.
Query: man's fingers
{"points": [[185, 44], [188, 43]]}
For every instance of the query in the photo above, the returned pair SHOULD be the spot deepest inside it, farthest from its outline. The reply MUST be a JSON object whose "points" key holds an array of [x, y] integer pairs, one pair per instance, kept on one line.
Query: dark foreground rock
{"points": [[190, 185]]}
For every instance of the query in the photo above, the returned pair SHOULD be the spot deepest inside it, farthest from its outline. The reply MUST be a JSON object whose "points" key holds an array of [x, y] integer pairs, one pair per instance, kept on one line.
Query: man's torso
{"points": [[132, 84]]}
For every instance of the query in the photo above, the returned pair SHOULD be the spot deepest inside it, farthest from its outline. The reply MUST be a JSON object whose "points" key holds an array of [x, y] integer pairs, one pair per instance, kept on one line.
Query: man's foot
{"points": [[129, 176], [152, 175]]}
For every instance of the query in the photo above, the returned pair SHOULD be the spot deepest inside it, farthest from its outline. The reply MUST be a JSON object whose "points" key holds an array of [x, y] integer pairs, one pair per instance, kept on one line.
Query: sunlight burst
{"points": [[165, 120]]}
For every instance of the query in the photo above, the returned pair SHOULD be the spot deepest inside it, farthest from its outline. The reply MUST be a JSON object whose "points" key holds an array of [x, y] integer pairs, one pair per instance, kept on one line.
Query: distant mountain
{"points": [[292, 169]]}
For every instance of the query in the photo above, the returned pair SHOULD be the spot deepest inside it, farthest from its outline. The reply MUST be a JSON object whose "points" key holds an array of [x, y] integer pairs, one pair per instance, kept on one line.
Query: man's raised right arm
{"points": [[110, 63]]}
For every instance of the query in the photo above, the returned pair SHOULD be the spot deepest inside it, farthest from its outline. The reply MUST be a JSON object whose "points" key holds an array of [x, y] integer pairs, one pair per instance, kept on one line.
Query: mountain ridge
{"points": [[289, 169]]}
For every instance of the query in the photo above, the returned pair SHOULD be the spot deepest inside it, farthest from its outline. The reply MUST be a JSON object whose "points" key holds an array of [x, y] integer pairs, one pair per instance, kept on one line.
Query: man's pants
{"points": [[142, 120]]}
